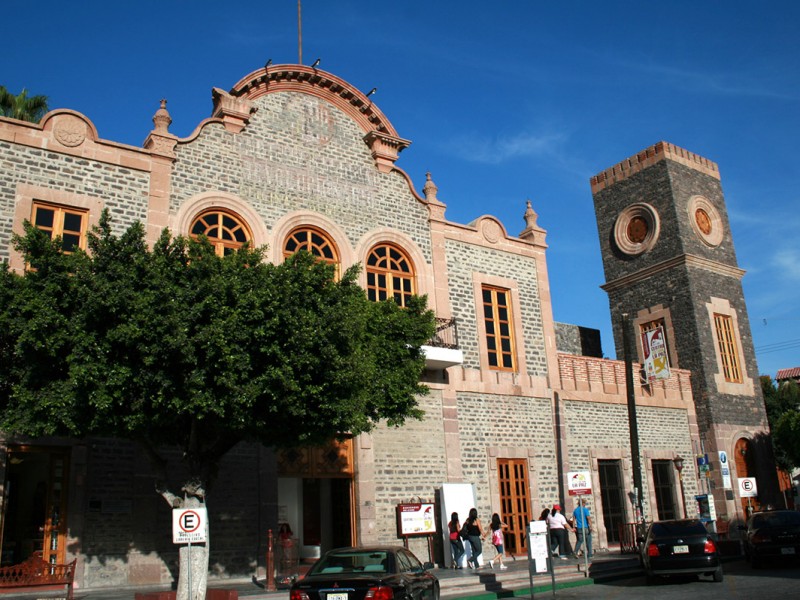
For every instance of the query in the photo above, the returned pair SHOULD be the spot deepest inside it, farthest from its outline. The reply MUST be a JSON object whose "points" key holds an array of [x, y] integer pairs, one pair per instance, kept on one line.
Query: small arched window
{"points": [[390, 274], [225, 230], [314, 241]]}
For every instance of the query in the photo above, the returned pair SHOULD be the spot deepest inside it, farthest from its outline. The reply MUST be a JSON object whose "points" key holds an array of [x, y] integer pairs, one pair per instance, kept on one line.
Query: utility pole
{"points": [[632, 422]]}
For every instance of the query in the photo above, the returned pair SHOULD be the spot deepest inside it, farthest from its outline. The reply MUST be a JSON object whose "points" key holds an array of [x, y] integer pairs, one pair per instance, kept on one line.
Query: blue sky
{"points": [[503, 101]]}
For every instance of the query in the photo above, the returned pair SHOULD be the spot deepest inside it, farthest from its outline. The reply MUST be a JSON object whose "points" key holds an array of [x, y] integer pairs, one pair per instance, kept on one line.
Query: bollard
{"points": [[270, 564]]}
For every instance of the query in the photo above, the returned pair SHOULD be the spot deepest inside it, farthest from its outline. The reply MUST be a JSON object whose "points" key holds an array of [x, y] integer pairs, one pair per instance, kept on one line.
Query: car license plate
{"points": [[680, 549], [787, 550]]}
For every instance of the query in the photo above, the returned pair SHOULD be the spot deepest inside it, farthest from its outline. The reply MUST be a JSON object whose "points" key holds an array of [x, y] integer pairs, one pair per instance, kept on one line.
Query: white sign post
{"points": [[189, 525]]}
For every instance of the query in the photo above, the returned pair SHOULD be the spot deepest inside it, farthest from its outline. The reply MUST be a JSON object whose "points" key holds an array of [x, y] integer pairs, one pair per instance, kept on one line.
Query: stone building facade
{"points": [[294, 157]]}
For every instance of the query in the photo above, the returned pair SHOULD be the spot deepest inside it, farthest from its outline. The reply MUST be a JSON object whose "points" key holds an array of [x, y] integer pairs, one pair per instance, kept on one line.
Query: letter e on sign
{"points": [[188, 525]]}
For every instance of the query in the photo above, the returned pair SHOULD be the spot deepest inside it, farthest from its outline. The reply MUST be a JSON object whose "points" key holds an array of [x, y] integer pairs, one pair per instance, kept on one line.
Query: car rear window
{"points": [[352, 562], [777, 519], [669, 528]]}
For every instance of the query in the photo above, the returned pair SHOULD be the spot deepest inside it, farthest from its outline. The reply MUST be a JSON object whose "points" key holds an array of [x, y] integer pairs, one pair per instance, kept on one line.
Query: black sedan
{"points": [[379, 573], [679, 547], [772, 535]]}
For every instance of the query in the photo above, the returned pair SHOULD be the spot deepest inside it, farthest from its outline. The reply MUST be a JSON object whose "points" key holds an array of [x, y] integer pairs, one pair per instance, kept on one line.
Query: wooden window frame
{"points": [[391, 269], [504, 357], [728, 348], [57, 229], [218, 240]]}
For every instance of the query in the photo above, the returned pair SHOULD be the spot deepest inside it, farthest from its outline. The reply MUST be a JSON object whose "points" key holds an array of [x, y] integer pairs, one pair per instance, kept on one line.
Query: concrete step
{"points": [[485, 581]]}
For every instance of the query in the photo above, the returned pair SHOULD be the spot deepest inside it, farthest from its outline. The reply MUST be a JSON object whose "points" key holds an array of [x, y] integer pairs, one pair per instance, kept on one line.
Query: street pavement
{"points": [[462, 583]]}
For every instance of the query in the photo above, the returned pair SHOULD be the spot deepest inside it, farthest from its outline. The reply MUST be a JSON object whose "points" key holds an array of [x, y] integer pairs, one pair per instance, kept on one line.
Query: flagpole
{"points": [[299, 33]]}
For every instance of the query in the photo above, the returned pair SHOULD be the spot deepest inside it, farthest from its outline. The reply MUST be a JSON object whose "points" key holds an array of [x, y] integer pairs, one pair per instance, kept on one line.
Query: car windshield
{"points": [[670, 528], [352, 561], [777, 519]]}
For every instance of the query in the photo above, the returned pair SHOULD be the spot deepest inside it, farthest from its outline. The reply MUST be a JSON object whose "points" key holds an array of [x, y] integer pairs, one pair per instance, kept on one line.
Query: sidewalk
{"points": [[481, 584]]}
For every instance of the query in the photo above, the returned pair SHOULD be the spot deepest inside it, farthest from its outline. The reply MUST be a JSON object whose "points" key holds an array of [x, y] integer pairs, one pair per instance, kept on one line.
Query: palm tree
{"points": [[21, 106]]}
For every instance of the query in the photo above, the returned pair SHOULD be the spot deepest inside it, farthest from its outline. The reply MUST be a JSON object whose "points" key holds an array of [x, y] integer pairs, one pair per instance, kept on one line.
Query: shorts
{"points": [[499, 548]]}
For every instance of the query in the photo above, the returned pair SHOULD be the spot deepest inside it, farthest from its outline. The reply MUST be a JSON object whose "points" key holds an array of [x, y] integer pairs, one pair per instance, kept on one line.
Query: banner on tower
{"points": [[656, 363]]}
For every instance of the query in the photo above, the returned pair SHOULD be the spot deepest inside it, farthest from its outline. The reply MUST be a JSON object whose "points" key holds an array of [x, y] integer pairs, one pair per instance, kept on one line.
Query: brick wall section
{"points": [[409, 464], [594, 425], [123, 190], [297, 153], [127, 536], [465, 259], [506, 421]]}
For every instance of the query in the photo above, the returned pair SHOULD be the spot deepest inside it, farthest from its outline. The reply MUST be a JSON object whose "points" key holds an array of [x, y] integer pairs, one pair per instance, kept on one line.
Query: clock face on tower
{"points": [[636, 229], [705, 220]]}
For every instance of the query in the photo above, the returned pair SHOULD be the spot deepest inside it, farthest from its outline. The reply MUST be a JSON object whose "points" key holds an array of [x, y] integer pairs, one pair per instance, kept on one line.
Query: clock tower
{"points": [[669, 262]]}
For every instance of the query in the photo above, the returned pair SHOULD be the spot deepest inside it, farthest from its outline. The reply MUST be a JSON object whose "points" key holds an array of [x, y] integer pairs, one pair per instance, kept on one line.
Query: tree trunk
{"points": [[193, 558]]}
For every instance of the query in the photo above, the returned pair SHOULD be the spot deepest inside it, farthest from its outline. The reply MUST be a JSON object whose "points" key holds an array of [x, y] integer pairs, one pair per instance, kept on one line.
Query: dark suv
{"points": [[772, 534]]}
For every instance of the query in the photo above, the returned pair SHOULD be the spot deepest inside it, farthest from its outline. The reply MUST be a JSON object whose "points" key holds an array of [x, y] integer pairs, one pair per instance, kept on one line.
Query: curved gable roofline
{"points": [[323, 85]]}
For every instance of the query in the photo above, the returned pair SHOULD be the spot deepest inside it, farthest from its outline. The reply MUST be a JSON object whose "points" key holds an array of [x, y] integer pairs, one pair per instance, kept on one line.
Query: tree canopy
{"points": [[22, 106], [178, 346], [783, 413]]}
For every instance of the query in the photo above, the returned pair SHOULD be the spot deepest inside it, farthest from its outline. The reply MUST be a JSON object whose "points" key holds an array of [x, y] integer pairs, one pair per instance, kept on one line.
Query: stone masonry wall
{"points": [[594, 425], [299, 152], [465, 259], [123, 191]]}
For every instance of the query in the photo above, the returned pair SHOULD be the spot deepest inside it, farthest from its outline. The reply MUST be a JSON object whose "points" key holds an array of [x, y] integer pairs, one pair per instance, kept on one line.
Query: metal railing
{"points": [[446, 335]]}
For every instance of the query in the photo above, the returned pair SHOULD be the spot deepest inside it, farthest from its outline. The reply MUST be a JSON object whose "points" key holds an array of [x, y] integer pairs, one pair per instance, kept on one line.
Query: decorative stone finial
{"points": [[161, 119], [530, 217], [430, 189]]}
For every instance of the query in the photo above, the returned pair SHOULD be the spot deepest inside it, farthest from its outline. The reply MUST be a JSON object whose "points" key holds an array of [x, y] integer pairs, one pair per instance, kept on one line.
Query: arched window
{"points": [[314, 241], [225, 230], [390, 274]]}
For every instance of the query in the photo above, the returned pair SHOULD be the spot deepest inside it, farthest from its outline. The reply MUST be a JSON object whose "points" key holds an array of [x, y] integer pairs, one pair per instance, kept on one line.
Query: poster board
{"points": [[456, 497]]}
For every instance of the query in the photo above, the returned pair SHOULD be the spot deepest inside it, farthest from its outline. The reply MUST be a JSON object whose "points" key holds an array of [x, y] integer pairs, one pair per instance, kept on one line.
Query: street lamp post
{"points": [[678, 461]]}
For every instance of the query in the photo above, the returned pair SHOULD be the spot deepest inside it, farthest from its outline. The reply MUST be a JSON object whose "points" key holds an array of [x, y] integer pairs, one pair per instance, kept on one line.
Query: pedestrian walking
{"points": [[558, 526], [495, 529], [456, 545], [473, 530], [583, 528]]}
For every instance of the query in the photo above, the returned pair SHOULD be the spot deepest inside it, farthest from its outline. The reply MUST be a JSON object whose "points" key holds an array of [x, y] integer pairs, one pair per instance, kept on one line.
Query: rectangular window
{"points": [[497, 319], [59, 221], [728, 351]]}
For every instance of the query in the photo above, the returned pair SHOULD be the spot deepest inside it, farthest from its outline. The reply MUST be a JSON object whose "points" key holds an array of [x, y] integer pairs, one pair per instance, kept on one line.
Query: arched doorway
{"points": [[744, 458]]}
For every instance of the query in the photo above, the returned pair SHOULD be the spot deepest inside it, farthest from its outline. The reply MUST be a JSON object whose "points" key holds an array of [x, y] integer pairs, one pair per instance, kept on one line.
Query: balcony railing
{"points": [[442, 350], [446, 335]]}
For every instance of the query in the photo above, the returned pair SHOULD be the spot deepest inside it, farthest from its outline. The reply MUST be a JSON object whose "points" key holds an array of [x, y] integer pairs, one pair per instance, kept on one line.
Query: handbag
{"points": [[463, 533]]}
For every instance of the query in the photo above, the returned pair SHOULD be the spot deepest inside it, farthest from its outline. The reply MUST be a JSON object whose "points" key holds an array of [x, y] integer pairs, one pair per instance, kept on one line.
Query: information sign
{"points": [[725, 469], [415, 519], [579, 483]]}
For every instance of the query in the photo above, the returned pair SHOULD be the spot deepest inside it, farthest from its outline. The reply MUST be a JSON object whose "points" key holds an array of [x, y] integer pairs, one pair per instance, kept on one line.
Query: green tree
{"points": [[177, 346], [783, 413], [22, 106]]}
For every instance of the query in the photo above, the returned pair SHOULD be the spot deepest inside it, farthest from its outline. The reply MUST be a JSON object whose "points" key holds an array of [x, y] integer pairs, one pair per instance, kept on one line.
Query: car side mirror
{"points": [[427, 566]]}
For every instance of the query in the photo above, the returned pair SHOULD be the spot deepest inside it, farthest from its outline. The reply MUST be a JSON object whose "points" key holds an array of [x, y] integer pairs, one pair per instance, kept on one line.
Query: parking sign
{"points": [[748, 487]]}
